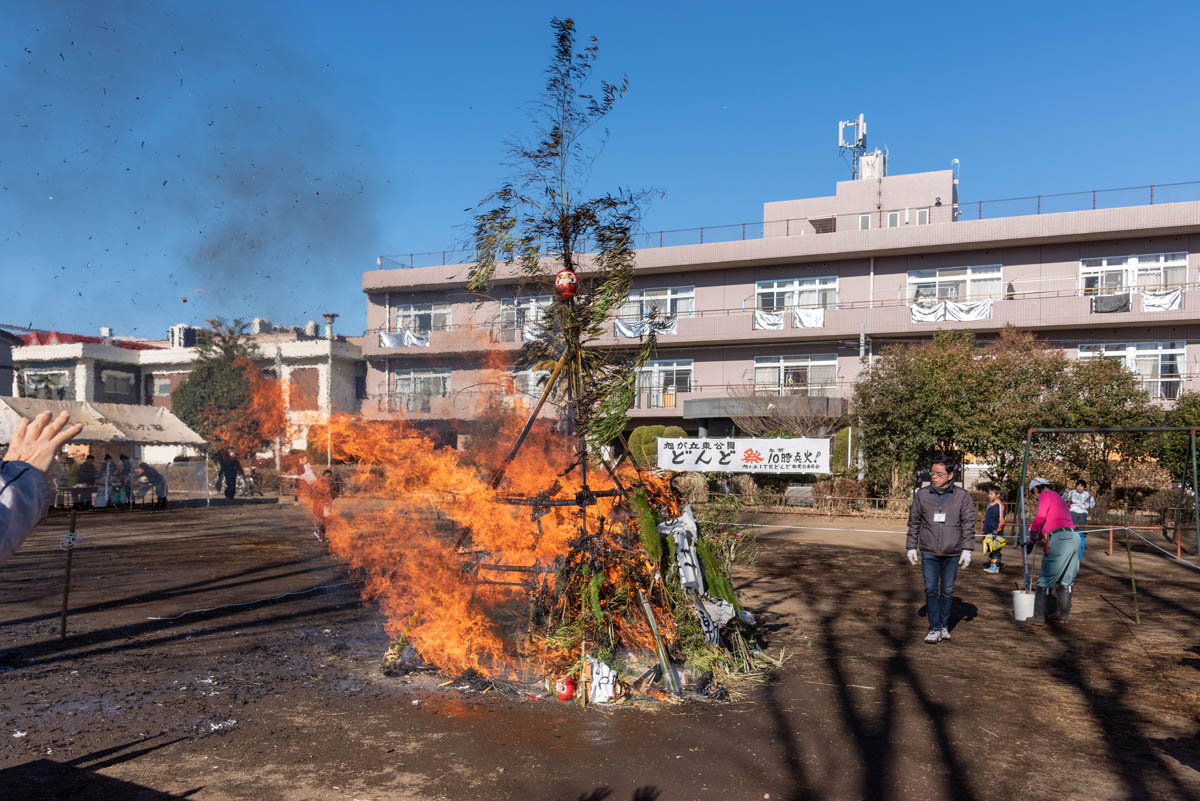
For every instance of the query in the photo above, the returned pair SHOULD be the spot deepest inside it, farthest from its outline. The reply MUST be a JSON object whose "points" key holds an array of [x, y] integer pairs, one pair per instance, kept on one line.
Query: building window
{"points": [[922, 216], [864, 222], [660, 383], [521, 317], [161, 387], [47, 384], [1155, 363], [807, 293], [420, 317], [117, 382], [954, 283], [530, 383], [825, 226], [795, 375], [1113, 275], [663, 303], [893, 219], [413, 389]]}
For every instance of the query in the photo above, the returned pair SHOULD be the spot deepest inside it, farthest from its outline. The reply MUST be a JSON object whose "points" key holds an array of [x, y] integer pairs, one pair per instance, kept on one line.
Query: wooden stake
{"points": [[499, 474]]}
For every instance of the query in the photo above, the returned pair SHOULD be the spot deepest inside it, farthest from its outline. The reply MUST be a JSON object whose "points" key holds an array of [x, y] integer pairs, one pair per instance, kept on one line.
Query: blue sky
{"points": [[256, 158]]}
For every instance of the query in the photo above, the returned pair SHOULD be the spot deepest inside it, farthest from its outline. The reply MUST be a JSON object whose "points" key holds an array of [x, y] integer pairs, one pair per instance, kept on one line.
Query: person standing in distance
{"points": [[1081, 503], [941, 537]]}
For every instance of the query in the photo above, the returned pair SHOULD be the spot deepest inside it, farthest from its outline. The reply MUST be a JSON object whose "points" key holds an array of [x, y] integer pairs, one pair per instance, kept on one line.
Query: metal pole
{"points": [[1021, 495], [1195, 491], [329, 413], [62, 631], [279, 378]]}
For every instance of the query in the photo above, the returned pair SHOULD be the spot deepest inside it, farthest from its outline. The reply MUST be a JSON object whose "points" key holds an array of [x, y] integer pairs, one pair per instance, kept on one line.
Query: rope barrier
{"points": [[1192, 565], [259, 601]]}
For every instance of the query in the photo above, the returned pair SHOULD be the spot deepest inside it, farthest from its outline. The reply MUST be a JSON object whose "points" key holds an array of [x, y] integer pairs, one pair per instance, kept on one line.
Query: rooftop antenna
{"points": [[856, 144]]}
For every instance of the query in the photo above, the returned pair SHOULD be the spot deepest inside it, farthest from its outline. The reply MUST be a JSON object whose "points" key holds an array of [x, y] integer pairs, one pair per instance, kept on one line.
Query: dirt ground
{"points": [[284, 699]]}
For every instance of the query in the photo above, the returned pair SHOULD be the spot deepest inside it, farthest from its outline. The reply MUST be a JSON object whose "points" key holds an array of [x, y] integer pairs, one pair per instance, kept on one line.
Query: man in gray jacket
{"points": [[941, 536]]}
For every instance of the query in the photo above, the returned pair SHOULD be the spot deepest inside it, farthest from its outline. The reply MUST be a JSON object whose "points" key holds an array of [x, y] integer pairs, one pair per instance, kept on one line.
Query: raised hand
{"points": [[38, 442]]}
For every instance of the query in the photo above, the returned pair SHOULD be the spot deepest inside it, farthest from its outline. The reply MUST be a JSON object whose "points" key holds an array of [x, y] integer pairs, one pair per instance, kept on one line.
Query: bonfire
{"points": [[609, 587]]}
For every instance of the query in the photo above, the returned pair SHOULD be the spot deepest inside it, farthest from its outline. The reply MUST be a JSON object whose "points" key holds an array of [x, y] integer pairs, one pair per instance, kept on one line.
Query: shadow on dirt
{"points": [[79, 779], [647, 793]]}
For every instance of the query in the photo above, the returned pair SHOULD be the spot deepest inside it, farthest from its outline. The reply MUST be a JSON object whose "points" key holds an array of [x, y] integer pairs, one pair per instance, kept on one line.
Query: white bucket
{"points": [[1023, 604]]}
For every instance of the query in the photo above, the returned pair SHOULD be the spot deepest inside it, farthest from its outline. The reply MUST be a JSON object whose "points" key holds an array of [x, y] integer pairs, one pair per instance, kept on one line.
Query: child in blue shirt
{"points": [[993, 530]]}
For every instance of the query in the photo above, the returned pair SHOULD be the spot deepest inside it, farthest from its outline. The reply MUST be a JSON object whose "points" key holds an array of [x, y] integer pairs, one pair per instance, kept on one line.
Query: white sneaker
{"points": [[933, 637], [945, 632]]}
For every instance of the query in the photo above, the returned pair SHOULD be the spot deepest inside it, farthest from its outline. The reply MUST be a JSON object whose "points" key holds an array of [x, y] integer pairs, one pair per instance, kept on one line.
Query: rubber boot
{"points": [[1064, 604], [1039, 607]]}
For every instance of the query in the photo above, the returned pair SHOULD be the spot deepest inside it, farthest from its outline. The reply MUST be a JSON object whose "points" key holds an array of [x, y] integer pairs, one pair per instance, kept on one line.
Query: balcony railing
{"points": [[1027, 205], [498, 333]]}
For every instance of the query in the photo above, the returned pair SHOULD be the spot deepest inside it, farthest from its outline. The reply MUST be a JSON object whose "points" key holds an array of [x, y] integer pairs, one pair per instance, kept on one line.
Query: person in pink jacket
{"points": [[1052, 525]]}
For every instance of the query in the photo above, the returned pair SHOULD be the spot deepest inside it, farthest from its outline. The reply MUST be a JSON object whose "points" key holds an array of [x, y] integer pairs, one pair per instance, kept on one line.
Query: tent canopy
{"points": [[104, 422]]}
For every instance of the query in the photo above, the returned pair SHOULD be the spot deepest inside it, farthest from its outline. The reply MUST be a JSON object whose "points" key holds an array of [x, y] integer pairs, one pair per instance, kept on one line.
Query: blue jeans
{"points": [[939, 570]]}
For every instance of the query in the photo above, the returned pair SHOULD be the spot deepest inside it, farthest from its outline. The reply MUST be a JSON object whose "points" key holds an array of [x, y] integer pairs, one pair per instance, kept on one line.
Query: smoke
{"points": [[195, 142]]}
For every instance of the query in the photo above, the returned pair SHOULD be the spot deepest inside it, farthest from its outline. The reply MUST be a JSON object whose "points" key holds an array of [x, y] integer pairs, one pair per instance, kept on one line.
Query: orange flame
{"points": [[243, 431]]}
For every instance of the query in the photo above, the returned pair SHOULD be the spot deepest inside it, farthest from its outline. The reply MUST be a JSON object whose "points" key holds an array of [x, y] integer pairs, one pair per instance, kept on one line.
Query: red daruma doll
{"points": [[566, 283]]}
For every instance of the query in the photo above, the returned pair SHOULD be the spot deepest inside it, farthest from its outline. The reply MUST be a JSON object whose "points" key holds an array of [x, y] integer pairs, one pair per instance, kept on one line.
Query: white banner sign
{"points": [[800, 455]]}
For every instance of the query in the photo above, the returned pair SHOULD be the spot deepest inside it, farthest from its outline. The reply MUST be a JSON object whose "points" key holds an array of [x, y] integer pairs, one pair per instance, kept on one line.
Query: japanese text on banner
{"points": [[800, 455]]}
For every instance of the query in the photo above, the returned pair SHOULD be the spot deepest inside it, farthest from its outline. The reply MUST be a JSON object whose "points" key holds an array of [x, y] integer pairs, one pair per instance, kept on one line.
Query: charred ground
{"points": [[284, 699]]}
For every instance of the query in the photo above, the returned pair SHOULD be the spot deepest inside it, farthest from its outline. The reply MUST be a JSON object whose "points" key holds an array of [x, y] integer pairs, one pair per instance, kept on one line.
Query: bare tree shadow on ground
{"points": [[1137, 758], [79, 779], [647, 793]]}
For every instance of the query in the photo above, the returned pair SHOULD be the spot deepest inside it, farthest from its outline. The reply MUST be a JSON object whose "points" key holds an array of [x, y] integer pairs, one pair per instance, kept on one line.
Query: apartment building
{"points": [[794, 305], [321, 372]]}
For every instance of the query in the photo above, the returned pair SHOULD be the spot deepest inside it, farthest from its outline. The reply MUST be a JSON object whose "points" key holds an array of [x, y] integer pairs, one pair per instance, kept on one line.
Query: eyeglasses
{"points": [[939, 472]]}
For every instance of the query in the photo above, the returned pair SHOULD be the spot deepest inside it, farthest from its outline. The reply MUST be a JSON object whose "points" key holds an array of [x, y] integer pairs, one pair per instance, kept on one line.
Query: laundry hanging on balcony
{"points": [[933, 311], [768, 321], [639, 328], [1166, 300], [1107, 304], [808, 318], [938, 310], [403, 339], [972, 310]]}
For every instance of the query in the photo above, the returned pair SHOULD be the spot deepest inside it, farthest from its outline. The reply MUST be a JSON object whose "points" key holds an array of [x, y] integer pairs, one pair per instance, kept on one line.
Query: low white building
{"points": [[320, 374]]}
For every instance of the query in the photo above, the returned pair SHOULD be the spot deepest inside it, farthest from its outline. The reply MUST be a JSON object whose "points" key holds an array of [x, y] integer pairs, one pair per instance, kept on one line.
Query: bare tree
{"points": [[763, 412]]}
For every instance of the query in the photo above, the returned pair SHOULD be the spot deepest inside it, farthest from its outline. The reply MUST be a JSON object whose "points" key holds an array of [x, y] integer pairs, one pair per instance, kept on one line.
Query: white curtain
{"points": [[929, 312], [769, 321], [808, 318], [1167, 300], [974, 310], [388, 339]]}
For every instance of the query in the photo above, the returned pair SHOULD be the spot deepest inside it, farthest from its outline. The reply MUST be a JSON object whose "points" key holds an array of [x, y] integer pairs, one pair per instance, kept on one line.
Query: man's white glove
{"points": [[913, 556], [965, 559]]}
